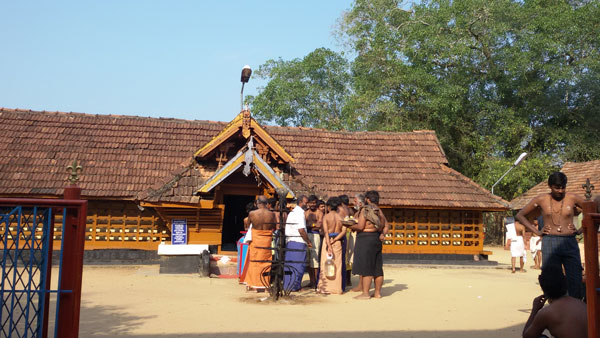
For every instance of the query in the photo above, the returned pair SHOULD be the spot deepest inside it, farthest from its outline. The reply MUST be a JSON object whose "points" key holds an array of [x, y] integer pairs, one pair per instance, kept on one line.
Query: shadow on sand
{"points": [[389, 289], [107, 321]]}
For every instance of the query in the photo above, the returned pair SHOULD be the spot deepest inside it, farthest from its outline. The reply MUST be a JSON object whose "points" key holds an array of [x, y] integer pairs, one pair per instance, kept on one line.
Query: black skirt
{"points": [[367, 255]]}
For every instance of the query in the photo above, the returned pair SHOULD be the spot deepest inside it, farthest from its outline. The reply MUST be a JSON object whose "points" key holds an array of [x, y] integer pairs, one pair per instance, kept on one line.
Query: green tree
{"points": [[310, 92], [492, 78]]}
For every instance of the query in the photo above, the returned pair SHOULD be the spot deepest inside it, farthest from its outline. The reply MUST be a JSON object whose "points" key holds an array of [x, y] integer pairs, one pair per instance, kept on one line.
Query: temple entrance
{"points": [[233, 219]]}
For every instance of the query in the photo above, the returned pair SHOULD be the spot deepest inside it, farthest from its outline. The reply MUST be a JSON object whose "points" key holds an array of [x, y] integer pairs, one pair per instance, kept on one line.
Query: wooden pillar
{"points": [[592, 282], [72, 265]]}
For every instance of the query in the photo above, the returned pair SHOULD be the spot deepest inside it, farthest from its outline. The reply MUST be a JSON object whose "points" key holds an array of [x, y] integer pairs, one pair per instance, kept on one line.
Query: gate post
{"points": [[590, 240], [72, 266]]}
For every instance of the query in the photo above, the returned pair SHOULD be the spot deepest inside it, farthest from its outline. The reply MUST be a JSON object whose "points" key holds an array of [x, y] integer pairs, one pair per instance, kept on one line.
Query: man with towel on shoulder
{"points": [[263, 224], [368, 260]]}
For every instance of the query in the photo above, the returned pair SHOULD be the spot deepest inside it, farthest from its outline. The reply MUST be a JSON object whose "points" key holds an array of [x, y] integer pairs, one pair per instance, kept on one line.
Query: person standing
{"points": [[535, 246], [559, 245], [263, 224], [344, 209], [359, 202], [368, 260], [334, 239], [313, 230], [296, 243], [517, 247]]}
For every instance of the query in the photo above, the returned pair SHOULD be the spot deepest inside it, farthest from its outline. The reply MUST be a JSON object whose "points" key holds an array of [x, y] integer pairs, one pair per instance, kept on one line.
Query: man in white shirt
{"points": [[296, 243]]}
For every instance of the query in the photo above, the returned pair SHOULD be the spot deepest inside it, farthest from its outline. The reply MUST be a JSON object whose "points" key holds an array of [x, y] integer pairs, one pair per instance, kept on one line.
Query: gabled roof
{"points": [[244, 123], [577, 174], [236, 162], [124, 156]]}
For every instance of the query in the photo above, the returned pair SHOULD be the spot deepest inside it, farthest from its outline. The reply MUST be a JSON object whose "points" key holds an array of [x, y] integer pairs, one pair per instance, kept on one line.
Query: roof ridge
{"points": [[475, 184], [371, 132], [57, 112], [174, 119], [580, 163]]}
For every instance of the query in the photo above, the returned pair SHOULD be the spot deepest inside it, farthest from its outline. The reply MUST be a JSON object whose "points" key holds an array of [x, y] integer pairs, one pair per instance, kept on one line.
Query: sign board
{"points": [[179, 232]]}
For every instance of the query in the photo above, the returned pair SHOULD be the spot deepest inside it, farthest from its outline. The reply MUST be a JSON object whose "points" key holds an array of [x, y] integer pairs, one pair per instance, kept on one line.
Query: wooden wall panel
{"points": [[434, 231]]}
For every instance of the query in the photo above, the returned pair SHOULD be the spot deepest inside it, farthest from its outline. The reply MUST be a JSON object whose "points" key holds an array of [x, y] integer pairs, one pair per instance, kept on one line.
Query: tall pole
{"points": [[242, 97], [517, 162]]}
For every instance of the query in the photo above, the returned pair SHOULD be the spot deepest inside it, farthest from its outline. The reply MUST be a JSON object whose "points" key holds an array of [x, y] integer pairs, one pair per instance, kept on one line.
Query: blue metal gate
{"points": [[26, 237]]}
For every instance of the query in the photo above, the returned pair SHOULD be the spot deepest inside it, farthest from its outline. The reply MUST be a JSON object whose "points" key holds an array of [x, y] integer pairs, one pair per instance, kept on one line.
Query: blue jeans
{"points": [[563, 251]]}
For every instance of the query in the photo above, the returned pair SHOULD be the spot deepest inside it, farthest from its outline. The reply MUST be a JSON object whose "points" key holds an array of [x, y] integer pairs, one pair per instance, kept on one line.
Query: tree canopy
{"points": [[492, 78]]}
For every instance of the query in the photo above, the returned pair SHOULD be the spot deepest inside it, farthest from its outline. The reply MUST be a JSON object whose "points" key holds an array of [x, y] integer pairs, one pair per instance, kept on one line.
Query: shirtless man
{"points": [[535, 245], [313, 229], [334, 235], [249, 207], [272, 206], [517, 247], [263, 224], [559, 246], [368, 261], [344, 210], [564, 317], [322, 208], [262, 218]]}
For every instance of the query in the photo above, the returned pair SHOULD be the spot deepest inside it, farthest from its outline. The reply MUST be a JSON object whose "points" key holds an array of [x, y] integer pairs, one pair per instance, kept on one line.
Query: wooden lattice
{"points": [[434, 231]]}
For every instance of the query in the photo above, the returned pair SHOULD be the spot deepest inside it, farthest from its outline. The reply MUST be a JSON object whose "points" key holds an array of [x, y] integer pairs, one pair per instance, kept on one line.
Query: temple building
{"points": [[139, 174]]}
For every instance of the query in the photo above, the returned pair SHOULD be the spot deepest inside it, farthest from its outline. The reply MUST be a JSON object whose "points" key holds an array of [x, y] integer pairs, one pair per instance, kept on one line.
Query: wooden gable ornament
{"points": [[244, 126], [252, 163]]}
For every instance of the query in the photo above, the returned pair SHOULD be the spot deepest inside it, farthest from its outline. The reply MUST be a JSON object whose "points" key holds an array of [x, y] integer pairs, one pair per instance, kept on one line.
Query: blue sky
{"points": [[177, 59]]}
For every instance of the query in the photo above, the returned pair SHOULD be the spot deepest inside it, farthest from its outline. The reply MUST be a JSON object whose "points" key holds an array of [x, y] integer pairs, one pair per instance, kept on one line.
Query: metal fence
{"points": [[26, 243]]}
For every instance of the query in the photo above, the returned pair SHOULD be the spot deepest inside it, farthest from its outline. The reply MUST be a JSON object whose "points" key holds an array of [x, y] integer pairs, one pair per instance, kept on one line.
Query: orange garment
{"points": [[260, 239], [334, 285]]}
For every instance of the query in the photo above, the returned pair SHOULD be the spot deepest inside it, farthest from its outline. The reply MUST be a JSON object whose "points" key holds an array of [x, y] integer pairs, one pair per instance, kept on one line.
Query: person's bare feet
{"points": [[376, 295], [523, 270], [362, 297], [513, 271], [357, 289]]}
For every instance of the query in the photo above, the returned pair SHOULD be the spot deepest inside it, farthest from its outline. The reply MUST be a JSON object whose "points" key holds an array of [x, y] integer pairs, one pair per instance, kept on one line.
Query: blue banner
{"points": [[179, 231]]}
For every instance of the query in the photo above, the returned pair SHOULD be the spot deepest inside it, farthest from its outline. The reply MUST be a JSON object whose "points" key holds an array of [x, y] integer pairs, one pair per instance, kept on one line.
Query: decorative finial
{"points": [[588, 187], [246, 123], [75, 170]]}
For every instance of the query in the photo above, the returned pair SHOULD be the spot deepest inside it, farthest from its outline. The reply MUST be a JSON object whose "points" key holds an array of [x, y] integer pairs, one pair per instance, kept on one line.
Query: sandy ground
{"points": [[137, 301]]}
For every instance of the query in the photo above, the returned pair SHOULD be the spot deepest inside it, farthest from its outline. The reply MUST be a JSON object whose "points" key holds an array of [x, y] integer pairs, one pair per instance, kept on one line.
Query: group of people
{"points": [[561, 276], [319, 233], [329, 240]]}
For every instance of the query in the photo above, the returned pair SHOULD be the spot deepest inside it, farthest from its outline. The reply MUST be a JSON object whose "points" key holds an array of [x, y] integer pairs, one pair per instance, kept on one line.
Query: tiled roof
{"points": [[140, 157], [577, 174]]}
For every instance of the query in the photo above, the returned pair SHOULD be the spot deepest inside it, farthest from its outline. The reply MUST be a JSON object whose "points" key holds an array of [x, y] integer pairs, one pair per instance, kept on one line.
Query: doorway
{"points": [[233, 220]]}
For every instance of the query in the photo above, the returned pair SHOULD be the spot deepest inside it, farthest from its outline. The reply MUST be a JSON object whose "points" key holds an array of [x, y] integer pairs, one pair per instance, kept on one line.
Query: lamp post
{"points": [[517, 162], [246, 72]]}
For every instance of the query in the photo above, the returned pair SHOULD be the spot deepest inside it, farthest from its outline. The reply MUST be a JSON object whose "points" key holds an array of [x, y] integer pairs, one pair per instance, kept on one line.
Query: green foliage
{"points": [[492, 78], [309, 92]]}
